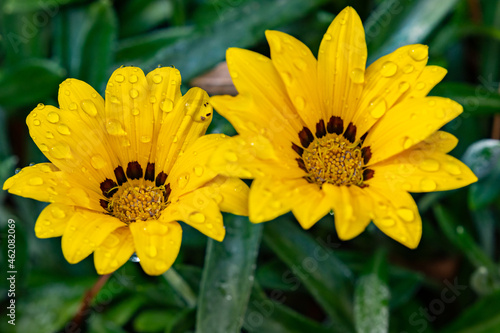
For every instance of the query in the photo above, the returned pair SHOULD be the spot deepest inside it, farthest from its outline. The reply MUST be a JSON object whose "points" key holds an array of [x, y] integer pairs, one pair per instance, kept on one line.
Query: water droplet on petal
{"points": [[429, 165], [133, 78], [97, 162], [157, 78], [152, 251], [452, 168], [63, 129], [327, 37], [35, 181], [287, 78], [134, 93], [58, 213], [406, 214], [145, 138], [72, 106], [43, 148], [300, 64], [119, 78], [61, 151], [408, 69], [358, 75], [40, 106], [378, 108], [183, 180], [53, 117], [198, 170], [161, 266], [114, 127], [428, 185], [157, 229], [419, 52], [135, 111], [403, 86], [407, 142], [230, 156], [89, 107], [197, 217], [167, 105], [36, 122], [388, 69], [387, 221], [420, 86], [300, 103], [152, 99]]}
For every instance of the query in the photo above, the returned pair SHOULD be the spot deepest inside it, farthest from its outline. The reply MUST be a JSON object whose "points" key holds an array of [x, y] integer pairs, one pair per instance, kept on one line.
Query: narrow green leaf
{"points": [[227, 277], [99, 35], [200, 52], [49, 7], [481, 317], [181, 287], [396, 23], [269, 315], [138, 16], [159, 320], [371, 298], [476, 100], [17, 91], [321, 272], [122, 311]]}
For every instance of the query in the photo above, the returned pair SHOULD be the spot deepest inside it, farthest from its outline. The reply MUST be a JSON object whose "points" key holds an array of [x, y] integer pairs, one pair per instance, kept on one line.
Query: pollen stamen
{"points": [[133, 203]]}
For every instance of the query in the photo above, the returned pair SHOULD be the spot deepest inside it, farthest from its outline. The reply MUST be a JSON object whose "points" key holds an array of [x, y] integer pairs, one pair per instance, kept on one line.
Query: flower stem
{"points": [[177, 282]]}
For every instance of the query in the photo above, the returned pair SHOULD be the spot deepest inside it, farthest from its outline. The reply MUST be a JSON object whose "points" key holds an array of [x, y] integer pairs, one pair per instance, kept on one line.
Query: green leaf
{"points": [[481, 317], [17, 91], [476, 100], [268, 315], [483, 157], [47, 7], [158, 320], [227, 277], [396, 23], [371, 297], [99, 35], [123, 310], [202, 51], [137, 16], [317, 268]]}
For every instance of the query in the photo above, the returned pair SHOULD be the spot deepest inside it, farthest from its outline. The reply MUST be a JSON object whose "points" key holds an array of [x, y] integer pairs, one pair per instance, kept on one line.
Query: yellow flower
{"points": [[326, 134], [125, 169]]}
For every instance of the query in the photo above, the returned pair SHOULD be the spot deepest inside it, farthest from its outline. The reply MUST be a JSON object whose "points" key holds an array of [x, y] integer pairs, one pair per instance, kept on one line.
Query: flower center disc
{"points": [[334, 160], [134, 203]]}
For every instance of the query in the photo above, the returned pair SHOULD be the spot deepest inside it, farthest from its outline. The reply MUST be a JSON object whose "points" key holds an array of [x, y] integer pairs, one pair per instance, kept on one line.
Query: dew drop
{"points": [[327, 37], [183, 180], [61, 151], [67, 92], [89, 107], [358, 75], [156, 229], [428, 185], [145, 138], [300, 64], [175, 139], [133, 79], [152, 99], [230, 156], [233, 74], [406, 214], [161, 266], [429, 165], [63, 129], [97, 162], [408, 69], [167, 105], [135, 111], [452, 168], [418, 53], [72, 106], [378, 108], [388, 69], [152, 251], [119, 78], [407, 142], [300, 103], [387, 221], [35, 181], [114, 127], [134, 93], [58, 213], [43, 148], [197, 217], [198, 170], [36, 122], [287, 78], [53, 117], [40, 106], [157, 78], [210, 226], [420, 86], [403, 86]]}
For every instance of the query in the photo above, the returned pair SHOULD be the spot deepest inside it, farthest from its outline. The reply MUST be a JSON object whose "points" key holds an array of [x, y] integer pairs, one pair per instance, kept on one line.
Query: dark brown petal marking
{"points": [[320, 129], [368, 174], [350, 132], [108, 188], [297, 149], [306, 137], [367, 154], [161, 178], [150, 172], [104, 203], [363, 137], [301, 164], [167, 192], [120, 175], [134, 170], [335, 125]]}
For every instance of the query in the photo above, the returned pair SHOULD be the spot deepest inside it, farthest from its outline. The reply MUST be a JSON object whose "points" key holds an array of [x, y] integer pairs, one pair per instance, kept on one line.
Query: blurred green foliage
{"points": [[275, 278]]}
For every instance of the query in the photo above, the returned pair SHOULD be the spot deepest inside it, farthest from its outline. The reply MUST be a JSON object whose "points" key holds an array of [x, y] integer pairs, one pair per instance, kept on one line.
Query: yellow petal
{"points": [[157, 244], [165, 90], [230, 193], [44, 182], [409, 123], [297, 67], [250, 156], [272, 197], [85, 231], [396, 214], [129, 116], [352, 209], [199, 210], [190, 171], [422, 169], [114, 251], [341, 65], [52, 220], [181, 127], [389, 79], [312, 205], [428, 78], [73, 142]]}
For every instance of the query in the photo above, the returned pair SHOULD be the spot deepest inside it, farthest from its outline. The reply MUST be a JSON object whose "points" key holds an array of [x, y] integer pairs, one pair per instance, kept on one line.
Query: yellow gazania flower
{"points": [[125, 169], [326, 134]]}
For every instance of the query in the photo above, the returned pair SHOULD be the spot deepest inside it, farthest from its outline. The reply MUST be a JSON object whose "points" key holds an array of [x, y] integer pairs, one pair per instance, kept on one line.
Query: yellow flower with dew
{"points": [[125, 169], [326, 134]]}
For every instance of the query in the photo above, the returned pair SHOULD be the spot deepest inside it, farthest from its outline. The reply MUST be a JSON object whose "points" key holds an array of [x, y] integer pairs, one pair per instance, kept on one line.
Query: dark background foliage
{"points": [[273, 277]]}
